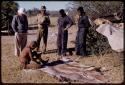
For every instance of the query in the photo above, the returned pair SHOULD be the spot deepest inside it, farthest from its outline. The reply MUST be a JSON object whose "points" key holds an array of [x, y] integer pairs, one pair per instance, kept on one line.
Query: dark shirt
{"points": [[63, 22], [83, 22], [20, 23]]}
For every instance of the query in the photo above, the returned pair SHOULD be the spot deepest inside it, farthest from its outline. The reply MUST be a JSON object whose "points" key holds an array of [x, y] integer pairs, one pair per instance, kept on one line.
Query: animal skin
{"points": [[73, 71]]}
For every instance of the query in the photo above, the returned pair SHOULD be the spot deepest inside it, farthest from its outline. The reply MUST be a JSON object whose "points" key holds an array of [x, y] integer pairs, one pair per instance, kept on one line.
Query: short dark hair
{"points": [[61, 11], [33, 44], [80, 9]]}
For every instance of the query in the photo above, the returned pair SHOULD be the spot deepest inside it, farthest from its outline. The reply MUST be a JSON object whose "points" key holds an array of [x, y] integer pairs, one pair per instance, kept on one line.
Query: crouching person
{"points": [[29, 54]]}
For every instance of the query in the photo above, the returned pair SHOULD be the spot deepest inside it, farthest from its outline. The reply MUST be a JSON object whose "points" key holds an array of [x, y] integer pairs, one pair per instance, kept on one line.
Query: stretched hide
{"points": [[73, 71], [114, 36]]}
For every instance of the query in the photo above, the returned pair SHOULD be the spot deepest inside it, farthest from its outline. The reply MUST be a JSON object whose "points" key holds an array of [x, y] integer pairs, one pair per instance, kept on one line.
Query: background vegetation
{"points": [[8, 9]]}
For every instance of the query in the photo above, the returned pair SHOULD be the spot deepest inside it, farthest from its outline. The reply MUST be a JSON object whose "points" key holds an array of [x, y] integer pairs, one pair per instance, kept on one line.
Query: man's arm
{"points": [[86, 22], [26, 22], [70, 23], [14, 24], [49, 20], [30, 54], [46, 21]]}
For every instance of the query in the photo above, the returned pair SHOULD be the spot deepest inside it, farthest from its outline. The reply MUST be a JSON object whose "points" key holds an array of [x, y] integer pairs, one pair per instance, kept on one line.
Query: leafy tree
{"points": [[8, 9], [99, 8]]}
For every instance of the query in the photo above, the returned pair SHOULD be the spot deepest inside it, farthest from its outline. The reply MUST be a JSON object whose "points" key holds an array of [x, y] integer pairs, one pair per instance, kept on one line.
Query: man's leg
{"points": [[23, 41], [77, 48], [17, 44], [45, 36], [83, 43], [59, 44], [39, 36], [64, 43], [84, 40]]}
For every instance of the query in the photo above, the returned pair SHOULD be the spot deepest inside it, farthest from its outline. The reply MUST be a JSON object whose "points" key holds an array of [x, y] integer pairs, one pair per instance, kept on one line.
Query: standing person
{"points": [[20, 27], [43, 23], [64, 22], [83, 25]]}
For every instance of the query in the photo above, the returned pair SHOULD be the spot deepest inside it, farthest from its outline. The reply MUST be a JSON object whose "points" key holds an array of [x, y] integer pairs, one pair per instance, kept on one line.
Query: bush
{"points": [[97, 9], [96, 42], [8, 9]]}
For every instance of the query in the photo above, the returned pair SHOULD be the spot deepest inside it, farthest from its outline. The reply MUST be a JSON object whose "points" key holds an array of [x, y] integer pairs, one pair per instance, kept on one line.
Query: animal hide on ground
{"points": [[73, 71]]}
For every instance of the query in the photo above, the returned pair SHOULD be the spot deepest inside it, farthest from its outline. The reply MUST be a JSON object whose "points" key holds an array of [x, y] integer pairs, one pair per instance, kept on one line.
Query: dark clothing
{"points": [[83, 22], [83, 25], [20, 23], [62, 42], [62, 37]]}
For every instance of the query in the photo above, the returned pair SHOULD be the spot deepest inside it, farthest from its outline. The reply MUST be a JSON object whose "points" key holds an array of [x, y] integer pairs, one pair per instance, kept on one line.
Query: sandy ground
{"points": [[10, 72]]}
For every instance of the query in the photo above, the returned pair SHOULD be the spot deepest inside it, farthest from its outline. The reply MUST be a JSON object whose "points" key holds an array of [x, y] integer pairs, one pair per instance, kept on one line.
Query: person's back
{"points": [[25, 52], [24, 56]]}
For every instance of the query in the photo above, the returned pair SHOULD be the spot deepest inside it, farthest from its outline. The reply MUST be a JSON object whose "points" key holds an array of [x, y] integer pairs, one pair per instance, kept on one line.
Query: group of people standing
{"points": [[20, 27]]}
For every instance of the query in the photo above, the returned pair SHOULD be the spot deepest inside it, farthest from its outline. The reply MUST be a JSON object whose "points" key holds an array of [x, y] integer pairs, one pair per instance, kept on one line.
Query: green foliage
{"points": [[8, 9]]}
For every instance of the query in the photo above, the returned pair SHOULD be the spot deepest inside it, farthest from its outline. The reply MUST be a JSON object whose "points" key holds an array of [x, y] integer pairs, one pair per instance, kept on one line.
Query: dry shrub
{"points": [[97, 9], [96, 42]]}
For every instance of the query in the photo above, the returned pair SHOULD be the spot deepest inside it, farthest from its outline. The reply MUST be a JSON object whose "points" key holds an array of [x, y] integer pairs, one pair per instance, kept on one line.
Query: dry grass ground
{"points": [[10, 72]]}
